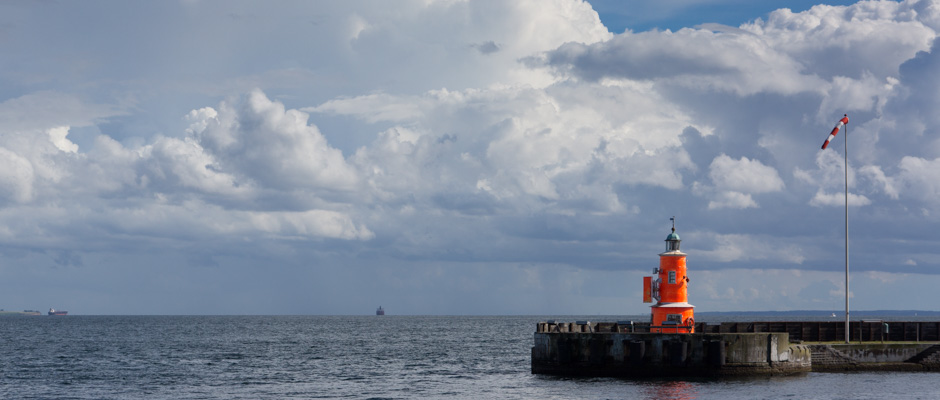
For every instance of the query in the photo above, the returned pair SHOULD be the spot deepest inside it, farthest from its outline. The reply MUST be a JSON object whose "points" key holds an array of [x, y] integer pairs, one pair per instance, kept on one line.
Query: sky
{"points": [[453, 157]]}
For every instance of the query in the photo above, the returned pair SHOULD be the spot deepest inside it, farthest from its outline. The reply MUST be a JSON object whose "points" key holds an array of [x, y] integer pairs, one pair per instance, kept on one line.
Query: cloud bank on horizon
{"points": [[461, 157]]}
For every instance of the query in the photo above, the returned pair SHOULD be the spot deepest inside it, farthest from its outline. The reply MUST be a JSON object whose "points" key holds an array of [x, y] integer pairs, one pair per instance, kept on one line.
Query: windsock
{"points": [[842, 122]]}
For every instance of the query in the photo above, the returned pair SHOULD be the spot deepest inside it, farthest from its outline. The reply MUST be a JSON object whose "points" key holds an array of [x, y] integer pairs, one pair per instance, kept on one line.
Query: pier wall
{"points": [[589, 352], [880, 353], [831, 331], [807, 331], [627, 349], [875, 357]]}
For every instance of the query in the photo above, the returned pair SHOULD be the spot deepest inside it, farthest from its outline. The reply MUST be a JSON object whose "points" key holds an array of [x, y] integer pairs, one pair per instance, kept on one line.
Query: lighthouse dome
{"points": [[672, 241]]}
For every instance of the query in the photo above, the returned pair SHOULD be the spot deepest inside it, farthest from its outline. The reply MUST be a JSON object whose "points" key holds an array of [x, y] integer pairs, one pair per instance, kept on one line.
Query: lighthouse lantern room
{"points": [[672, 312]]}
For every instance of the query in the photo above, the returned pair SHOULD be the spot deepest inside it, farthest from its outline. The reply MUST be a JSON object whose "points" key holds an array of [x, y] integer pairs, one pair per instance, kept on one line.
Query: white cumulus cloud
{"points": [[735, 181], [261, 140], [443, 144]]}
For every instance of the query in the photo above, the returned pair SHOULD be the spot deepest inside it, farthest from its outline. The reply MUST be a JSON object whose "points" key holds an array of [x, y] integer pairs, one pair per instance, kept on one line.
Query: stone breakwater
{"points": [[628, 350], [591, 350]]}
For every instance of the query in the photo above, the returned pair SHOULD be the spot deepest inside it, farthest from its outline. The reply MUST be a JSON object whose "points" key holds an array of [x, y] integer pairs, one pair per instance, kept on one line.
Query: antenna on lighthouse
{"points": [[673, 219]]}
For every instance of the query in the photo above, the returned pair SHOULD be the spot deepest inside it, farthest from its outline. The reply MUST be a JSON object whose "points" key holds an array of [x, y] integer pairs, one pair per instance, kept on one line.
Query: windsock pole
{"points": [[844, 123], [846, 155]]}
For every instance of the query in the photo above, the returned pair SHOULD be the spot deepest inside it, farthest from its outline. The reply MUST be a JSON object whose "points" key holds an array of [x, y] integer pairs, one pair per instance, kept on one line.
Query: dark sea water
{"points": [[356, 357]]}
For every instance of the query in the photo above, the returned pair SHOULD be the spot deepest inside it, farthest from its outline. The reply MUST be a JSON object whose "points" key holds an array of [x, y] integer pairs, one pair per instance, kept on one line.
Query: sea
{"points": [[353, 357]]}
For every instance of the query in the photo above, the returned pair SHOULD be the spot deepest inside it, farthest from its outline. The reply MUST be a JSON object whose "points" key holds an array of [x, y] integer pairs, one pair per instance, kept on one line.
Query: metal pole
{"points": [[846, 155]]}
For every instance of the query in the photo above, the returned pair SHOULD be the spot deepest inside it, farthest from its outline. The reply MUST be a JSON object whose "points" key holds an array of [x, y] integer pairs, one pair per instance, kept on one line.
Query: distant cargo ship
{"points": [[380, 311], [24, 312], [53, 311]]}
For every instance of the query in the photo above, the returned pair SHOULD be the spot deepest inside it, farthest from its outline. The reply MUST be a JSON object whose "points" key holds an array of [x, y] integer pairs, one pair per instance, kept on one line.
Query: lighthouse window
{"points": [[672, 276]]}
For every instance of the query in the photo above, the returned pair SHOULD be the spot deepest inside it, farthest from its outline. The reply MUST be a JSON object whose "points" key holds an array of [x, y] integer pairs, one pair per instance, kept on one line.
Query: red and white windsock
{"points": [[835, 130]]}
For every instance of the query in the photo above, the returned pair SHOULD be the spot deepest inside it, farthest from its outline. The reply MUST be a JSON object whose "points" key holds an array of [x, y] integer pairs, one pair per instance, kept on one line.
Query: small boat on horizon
{"points": [[380, 311], [53, 311]]}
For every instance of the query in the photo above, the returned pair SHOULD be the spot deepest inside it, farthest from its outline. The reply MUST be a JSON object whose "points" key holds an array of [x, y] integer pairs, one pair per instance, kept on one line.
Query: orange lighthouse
{"points": [[672, 313]]}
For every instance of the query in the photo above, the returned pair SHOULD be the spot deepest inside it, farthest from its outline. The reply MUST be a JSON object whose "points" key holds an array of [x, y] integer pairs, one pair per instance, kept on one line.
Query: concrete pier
{"points": [[628, 349], [586, 349]]}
